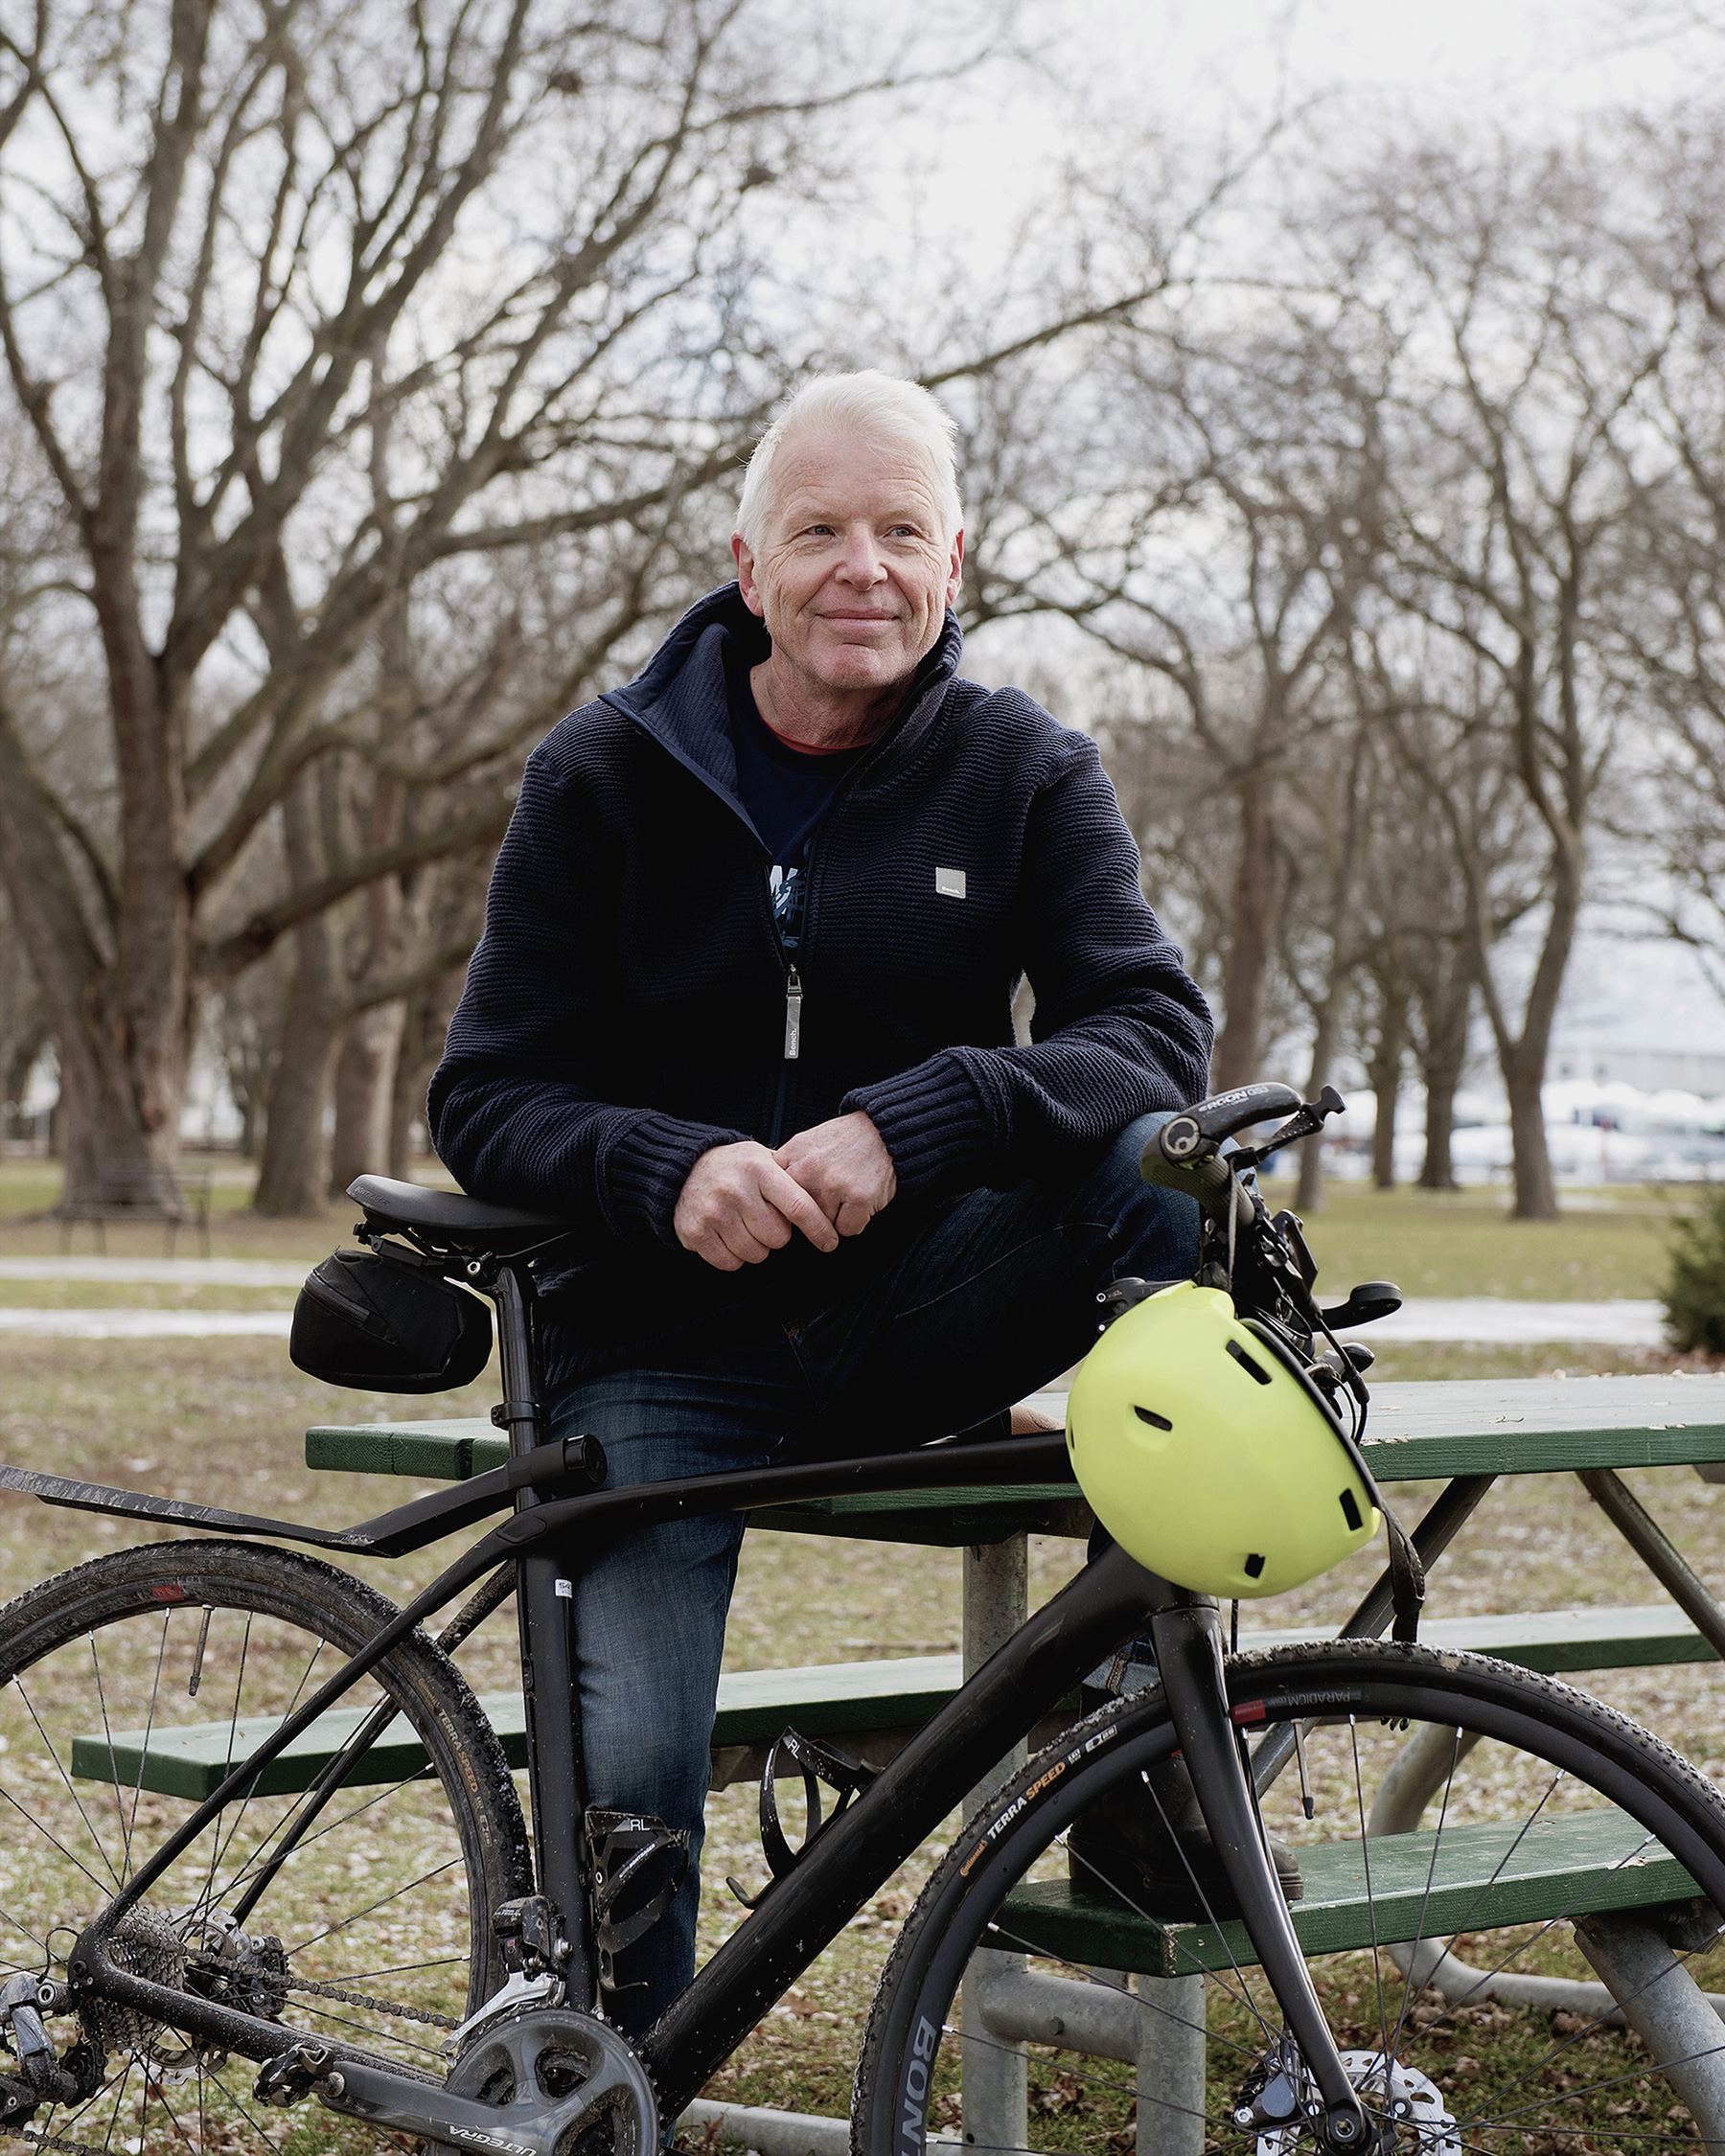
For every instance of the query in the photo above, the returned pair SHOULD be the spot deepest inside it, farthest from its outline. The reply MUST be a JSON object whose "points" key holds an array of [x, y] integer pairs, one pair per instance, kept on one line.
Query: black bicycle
{"points": [[263, 1847]]}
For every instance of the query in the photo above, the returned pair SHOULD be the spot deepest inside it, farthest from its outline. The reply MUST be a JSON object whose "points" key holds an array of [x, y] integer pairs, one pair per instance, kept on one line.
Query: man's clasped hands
{"points": [[741, 1201]]}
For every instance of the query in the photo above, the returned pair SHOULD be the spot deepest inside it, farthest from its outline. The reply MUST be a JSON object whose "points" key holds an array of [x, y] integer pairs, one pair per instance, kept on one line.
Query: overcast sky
{"points": [[1195, 68]]}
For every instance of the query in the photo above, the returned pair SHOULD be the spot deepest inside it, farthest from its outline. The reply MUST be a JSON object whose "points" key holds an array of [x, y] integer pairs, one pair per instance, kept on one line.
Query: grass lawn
{"points": [[1609, 1243]]}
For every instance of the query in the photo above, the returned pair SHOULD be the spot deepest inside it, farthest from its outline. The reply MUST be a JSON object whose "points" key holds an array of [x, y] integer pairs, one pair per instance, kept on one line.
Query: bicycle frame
{"points": [[858, 1848]]}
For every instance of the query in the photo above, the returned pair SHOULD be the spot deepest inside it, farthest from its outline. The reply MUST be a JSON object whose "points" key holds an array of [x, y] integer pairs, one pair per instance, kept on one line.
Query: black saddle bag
{"points": [[388, 1324]]}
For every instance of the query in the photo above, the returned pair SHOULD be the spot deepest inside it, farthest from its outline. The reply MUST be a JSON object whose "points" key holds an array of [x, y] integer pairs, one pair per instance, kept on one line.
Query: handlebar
{"points": [[1209, 1178], [1186, 1152], [1220, 1116]]}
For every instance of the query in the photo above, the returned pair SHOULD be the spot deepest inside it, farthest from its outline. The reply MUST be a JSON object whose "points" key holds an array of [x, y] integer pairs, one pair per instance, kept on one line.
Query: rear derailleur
{"points": [[43, 2076]]}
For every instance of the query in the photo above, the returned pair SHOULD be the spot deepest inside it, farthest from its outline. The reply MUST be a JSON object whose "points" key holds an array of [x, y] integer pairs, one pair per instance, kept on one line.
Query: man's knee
{"points": [[1150, 1226]]}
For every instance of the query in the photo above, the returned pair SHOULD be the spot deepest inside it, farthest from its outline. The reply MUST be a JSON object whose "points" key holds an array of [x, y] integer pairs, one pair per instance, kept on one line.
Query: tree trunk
{"points": [[422, 1050], [293, 1176], [1535, 1188], [1385, 1071], [123, 1020], [364, 1094], [1246, 973], [104, 1137], [1523, 1061], [1440, 1067], [1308, 1197]]}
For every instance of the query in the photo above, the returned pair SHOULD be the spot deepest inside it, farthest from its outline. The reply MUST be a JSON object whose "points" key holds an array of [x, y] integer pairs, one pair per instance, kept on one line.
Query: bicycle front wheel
{"points": [[1473, 1827], [129, 1688]]}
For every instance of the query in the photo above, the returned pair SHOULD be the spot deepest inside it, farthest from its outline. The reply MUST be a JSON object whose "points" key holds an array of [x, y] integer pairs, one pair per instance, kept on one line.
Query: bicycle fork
{"points": [[1189, 1652]]}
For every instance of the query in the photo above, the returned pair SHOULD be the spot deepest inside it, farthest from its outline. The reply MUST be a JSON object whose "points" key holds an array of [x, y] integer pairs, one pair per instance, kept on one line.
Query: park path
{"points": [[1494, 1320]]}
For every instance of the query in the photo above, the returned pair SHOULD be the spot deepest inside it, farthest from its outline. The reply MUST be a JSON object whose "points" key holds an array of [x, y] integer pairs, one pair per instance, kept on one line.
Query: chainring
{"points": [[528, 2062]]}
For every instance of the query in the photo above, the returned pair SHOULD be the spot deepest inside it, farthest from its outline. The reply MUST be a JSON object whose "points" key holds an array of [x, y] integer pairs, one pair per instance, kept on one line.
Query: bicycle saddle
{"points": [[446, 1217]]}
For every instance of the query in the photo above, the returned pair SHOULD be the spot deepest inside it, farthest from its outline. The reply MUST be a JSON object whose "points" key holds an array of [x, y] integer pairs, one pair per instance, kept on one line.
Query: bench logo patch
{"points": [[949, 882]]}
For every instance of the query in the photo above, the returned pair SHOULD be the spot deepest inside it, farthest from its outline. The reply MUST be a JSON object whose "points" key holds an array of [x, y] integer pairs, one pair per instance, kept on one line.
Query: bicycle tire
{"points": [[126, 1686], [1513, 1752]]}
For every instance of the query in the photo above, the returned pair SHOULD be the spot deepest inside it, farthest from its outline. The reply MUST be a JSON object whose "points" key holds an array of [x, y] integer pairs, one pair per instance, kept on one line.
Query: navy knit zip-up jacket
{"points": [[626, 1008]]}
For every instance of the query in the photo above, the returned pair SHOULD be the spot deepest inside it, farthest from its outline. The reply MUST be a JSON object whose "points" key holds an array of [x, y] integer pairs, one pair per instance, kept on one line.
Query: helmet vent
{"points": [[1150, 1416], [1252, 1370], [1254, 1565], [1350, 1511]]}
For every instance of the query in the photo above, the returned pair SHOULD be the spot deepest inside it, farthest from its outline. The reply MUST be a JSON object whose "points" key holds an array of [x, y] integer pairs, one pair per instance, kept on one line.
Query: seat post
{"points": [[545, 1612]]}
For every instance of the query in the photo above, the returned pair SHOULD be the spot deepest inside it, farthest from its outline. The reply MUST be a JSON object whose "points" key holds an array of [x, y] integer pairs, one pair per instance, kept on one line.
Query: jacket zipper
{"points": [[792, 1015], [794, 989]]}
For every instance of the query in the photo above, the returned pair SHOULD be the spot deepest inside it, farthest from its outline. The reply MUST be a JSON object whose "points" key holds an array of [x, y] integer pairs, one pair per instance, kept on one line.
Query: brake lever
{"points": [[1308, 1120]]}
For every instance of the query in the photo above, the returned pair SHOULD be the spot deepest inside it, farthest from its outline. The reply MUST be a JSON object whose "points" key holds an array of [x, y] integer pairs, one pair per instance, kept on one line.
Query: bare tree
{"points": [[1522, 356], [240, 244], [1226, 561]]}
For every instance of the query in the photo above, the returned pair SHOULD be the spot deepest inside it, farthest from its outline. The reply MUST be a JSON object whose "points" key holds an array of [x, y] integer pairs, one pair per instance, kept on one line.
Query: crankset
{"points": [[538, 2082]]}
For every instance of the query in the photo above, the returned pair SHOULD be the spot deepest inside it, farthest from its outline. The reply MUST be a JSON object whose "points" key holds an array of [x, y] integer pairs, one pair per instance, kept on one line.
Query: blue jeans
{"points": [[966, 1307]]}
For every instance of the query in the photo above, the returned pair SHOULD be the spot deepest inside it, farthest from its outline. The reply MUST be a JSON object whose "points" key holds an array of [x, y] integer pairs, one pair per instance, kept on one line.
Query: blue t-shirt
{"points": [[785, 791]]}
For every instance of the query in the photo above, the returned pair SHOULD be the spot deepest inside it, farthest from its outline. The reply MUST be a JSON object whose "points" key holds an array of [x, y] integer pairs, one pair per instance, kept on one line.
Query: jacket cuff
{"points": [[934, 1122], [642, 1172]]}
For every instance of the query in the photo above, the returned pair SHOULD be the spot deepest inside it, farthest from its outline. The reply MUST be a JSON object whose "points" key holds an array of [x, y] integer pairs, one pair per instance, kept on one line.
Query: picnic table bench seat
{"points": [[1417, 1432], [869, 1708]]}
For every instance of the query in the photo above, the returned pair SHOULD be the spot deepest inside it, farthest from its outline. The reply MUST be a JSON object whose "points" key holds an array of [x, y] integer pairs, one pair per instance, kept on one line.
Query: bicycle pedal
{"points": [[292, 2075]]}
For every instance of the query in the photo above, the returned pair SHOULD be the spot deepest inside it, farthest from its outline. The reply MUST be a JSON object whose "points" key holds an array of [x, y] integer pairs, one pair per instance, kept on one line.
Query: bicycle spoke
{"points": [[77, 1800], [1239, 1990], [35, 1824], [1391, 2049], [1017, 1945], [149, 1725], [216, 1838], [246, 1799], [106, 1665], [262, 1853], [1082, 2073], [108, 1738], [1377, 1966], [359, 1916]]}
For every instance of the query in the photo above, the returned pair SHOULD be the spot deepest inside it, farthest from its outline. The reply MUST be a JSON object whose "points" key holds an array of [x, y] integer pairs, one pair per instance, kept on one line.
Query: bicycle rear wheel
{"points": [[1458, 1803], [128, 1688]]}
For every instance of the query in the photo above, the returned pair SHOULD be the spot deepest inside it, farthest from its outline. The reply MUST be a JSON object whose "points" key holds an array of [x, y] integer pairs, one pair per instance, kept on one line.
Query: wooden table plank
{"points": [[1487, 1876]]}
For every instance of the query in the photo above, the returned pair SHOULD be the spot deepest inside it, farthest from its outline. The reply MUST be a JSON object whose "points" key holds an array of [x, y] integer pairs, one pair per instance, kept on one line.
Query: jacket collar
{"points": [[679, 697]]}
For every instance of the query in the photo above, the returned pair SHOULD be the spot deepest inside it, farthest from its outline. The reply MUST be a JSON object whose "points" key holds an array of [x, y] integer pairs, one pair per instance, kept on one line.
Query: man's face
{"points": [[854, 573]]}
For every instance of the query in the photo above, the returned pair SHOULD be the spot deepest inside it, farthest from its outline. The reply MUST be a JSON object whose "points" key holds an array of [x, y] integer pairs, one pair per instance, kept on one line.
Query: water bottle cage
{"points": [[819, 1763], [623, 1845]]}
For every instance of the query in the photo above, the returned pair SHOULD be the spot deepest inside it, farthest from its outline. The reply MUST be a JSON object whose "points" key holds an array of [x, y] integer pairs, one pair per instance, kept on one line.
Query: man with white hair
{"points": [[743, 1011]]}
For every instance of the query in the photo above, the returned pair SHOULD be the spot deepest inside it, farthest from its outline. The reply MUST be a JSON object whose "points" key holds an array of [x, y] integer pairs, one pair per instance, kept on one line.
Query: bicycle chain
{"points": [[67, 2146], [374, 2005]]}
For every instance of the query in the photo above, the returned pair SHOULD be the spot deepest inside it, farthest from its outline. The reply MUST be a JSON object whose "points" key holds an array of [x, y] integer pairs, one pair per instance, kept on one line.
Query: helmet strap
{"points": [[1407, 1578]]}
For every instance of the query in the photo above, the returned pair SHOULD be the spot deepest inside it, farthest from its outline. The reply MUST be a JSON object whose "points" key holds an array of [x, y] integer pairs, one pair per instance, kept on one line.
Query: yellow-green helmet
{"points": [[1209, 1456]]}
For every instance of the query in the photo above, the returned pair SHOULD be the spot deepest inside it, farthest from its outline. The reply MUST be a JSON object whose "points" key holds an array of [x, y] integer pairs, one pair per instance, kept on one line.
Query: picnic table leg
{"points": [[1664, 2006], [1657, 1551], [996, 1603], [1170, 2061], [1170, 2066]]}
